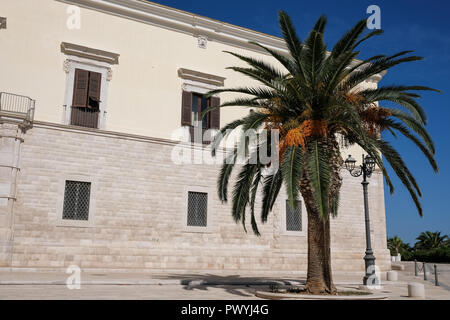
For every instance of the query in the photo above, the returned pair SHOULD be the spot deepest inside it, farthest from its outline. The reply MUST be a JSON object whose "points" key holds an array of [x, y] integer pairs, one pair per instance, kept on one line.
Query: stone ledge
{"points": [[397, 267]]}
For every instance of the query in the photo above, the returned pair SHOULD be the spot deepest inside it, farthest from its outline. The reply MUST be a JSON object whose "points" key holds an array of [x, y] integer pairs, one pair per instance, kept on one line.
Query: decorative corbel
{"points": [[66, 65]]}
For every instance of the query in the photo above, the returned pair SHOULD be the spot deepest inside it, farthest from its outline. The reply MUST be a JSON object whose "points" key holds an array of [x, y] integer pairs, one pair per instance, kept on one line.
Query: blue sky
{"points": [[416, 25]]}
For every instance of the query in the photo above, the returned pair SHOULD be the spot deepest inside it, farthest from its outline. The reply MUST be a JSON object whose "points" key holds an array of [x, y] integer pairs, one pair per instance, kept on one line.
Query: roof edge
{"points": [[189, 23], [182, 21]]}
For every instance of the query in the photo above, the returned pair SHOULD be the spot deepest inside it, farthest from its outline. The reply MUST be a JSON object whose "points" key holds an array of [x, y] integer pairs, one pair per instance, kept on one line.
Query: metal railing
{"points": [[84, 117], [423, 269], [17, 106]]}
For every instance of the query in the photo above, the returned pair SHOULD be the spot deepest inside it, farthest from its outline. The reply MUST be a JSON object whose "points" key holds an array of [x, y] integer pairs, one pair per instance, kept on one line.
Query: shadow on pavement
{"points": [[233, 284]]}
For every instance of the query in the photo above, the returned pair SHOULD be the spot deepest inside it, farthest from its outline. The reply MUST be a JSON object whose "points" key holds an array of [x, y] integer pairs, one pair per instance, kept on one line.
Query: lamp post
{"points": [[365, 169]]}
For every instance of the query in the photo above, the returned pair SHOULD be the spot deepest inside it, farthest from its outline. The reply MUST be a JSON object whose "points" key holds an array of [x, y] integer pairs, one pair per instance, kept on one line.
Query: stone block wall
{"points": [[138, 213], [10, 142]]}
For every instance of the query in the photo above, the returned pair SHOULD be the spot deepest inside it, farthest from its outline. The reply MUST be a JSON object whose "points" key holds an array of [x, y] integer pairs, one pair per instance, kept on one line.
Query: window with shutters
{"points": [[86, 99], [89, 72], [76, 200], [193, 104], [294, 217], [199, 104], [195, 86]]}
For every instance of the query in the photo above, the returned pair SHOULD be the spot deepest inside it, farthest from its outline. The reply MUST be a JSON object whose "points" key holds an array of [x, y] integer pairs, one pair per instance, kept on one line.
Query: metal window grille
{"points": [[293, 217], [76, 200], [197, 209], [2, 22]]}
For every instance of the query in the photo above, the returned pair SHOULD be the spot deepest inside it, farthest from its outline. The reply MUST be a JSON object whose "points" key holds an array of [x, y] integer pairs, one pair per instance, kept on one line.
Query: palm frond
{"points": [[223, 133], [414, 125], [319, 171], [375, 95], [271, 187], [286, 61], [375, 67], [368, 36], [401, 170], [241, 191], [289, 34], [254, 191], [347, 42], [274, 83], [402, 129], [292, 169], [315, 50], [260, 65], [224, 177]]}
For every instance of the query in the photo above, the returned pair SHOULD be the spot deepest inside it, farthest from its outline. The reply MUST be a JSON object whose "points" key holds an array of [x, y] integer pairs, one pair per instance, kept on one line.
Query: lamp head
{"points": [[350, 163], [370, 162]]}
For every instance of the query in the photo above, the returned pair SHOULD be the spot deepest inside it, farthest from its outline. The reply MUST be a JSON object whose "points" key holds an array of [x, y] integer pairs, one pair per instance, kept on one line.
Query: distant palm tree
{"points": [[313, 100], [395, 244], [431, 240]]}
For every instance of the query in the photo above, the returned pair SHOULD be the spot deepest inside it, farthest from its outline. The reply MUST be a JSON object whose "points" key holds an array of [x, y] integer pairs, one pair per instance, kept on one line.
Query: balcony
{"points": [[17, 109], [84, 117]]}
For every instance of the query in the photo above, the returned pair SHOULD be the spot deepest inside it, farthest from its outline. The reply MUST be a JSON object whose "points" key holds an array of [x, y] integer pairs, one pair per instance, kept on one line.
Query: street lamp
{"points": [[366, 169]]}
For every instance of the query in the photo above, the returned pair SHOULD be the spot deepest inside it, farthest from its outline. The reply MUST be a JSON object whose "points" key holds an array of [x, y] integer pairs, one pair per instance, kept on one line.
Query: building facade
{"points": [[87, 175]]}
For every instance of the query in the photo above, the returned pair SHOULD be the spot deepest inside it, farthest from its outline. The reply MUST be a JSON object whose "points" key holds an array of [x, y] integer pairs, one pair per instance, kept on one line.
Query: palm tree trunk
{"points": [[319, 277]]}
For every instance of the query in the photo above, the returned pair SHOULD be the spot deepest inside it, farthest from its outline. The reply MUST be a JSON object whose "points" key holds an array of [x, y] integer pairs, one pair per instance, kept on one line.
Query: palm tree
{"points": [[314, 99], [395, 244], [431, 240]]}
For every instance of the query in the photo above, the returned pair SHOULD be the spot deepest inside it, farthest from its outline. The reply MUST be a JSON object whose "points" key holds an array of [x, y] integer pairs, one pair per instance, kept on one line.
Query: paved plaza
{"points": [[97, 285]]}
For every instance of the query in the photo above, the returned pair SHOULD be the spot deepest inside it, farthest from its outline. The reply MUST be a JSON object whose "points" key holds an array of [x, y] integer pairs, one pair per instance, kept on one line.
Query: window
{"points": [[76, 200], [200, 104], [2, 22], [293, 217], [195, 85], [86, 99], [193, 104], [88, 74], [197, 209]]}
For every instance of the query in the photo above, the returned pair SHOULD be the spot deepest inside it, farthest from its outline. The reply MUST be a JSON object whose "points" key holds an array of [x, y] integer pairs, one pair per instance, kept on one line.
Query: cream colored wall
{"points": [[144, 95], [145, 91]]}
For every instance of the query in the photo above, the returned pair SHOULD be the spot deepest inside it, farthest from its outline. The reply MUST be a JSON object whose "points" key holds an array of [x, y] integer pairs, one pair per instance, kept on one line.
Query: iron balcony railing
{"points": [[84, 117], [16, 107]]}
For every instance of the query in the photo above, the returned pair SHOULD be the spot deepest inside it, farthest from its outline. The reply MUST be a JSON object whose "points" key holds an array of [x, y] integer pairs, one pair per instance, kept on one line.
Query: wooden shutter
{"points": [[186, 108], [80, 88], [95, 81], [215, 114]]}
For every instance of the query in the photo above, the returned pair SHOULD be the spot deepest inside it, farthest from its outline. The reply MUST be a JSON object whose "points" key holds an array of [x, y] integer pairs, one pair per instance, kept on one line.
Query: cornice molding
{"points": [[89, 53], [376, 78], [182, 21], [120, 135], [189, 23], [201, 77]]}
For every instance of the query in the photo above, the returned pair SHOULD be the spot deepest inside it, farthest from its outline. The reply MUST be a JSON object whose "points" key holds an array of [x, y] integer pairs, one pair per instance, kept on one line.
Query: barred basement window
{"points": [[293, 217], [2, 22], [197, 209], [76, 200]]}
